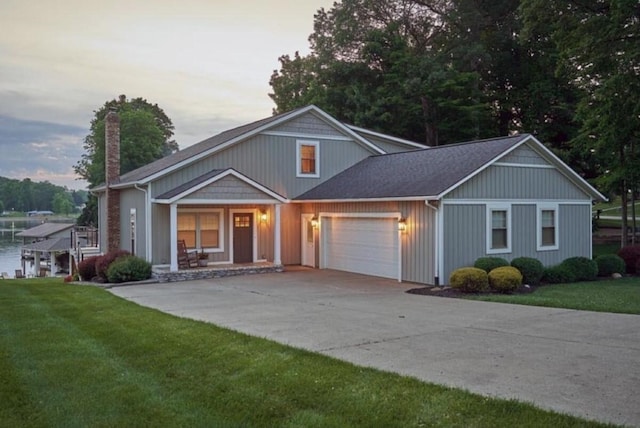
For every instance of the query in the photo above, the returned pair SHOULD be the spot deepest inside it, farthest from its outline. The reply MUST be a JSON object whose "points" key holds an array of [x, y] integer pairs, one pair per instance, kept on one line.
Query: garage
{"points": [[366, 245]]}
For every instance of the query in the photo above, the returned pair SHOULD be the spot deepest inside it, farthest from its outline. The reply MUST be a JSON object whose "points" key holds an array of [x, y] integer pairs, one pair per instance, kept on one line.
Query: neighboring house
{"points": [[303, 188]]}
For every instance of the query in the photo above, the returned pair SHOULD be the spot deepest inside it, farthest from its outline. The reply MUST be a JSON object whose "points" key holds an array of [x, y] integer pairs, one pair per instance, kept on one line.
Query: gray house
{"points": [[301, 188]]}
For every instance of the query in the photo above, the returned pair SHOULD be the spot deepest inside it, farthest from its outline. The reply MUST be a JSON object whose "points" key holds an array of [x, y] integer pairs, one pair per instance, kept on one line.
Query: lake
{"points": [[10, 244]]}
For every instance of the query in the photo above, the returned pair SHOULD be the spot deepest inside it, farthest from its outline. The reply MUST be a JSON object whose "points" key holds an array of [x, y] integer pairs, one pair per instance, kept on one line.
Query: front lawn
{"points": [[78, 356], [620, 296]]}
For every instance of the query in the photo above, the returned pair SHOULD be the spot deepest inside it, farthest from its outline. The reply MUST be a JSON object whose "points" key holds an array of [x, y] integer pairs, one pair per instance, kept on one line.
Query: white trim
{"points": [[556, 212], [301, 135], [393, 198], [389, 137], [396, 215], [277, 244], [524, 165], [306, 218], [218, 177], [173, 237], [220, 212], [224, 201], [489, 236], [438, 243], [316, 145], [254, 232], [513, 201]]}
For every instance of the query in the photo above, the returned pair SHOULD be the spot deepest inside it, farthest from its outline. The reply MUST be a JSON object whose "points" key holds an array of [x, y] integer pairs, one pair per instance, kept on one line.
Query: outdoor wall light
{"points": [[314, 222], [263, 216], [402, 224]]}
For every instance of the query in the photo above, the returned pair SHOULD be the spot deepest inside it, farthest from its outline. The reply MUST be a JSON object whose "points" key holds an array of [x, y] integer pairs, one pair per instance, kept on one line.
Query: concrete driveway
{"points": [[577, 362]]}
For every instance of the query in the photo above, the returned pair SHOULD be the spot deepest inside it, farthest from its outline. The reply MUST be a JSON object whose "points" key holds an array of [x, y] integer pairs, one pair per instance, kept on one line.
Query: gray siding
{"points": [[132, 198], [507, 182], [524, 155], [271, 161], [418, 243], [229, 187], [102, 220], [389, 146], [464, 235], [308, 124]]}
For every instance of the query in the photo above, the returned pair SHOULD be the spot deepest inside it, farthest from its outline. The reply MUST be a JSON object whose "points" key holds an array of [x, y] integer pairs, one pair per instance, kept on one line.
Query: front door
{"points": [[308, 241], [242, 237]]}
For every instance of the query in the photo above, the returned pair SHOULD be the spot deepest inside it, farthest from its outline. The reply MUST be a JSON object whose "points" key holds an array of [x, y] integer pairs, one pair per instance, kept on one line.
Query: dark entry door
{"points": [[242, 237]]}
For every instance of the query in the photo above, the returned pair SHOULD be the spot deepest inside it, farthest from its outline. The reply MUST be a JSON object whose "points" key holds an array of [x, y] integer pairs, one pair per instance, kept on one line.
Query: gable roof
{"points": [[210, 177], [425, 174], [225, 139], [44, 230]]}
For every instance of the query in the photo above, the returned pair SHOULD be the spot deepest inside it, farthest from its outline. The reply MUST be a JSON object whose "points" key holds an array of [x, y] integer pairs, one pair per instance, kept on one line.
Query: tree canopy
{"points": [[26, 195], [146, 134]]}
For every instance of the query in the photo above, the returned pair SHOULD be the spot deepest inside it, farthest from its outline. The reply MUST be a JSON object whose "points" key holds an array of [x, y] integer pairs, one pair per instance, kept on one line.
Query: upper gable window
{"points": [[308, 158]]}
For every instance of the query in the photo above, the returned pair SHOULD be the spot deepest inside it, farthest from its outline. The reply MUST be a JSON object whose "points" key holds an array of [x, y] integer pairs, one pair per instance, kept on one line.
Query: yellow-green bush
{"points": [[505, 279], [469, 280]]}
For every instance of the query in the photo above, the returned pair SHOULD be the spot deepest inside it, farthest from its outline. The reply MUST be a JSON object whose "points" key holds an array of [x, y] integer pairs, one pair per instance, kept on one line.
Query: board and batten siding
{"points": [[308, 124], [133, 198], [389, 146], [465, 234], [513, 182], [229, 188], [417, 243], [524, 155], [271, 161]]}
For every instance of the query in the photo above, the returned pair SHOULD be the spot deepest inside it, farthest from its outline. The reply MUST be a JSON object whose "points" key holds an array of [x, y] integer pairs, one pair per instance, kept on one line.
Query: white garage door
{"points": [[361, 245]]}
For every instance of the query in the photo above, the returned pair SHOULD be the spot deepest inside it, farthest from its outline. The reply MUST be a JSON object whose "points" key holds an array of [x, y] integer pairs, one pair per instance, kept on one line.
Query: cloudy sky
{"points": [[207, 63]]}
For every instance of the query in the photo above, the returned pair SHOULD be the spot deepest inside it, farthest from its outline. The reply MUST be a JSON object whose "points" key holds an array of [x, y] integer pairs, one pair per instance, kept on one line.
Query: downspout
{"points": [[147, 223], [436, 238]]}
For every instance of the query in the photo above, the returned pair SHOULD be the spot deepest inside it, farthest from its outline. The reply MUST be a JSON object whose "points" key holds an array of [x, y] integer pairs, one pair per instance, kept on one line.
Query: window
{"points": [[498, 229], [547, 227], [200, 229], [308, 159]]}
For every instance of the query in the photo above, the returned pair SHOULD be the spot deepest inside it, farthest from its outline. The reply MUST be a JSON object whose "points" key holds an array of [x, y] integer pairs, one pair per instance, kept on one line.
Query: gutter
{"points": [[437, 236]]}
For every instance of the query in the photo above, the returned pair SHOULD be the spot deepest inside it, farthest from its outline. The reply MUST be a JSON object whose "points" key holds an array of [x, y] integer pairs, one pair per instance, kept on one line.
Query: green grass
{"points": [[618, 296], [77, 356]]}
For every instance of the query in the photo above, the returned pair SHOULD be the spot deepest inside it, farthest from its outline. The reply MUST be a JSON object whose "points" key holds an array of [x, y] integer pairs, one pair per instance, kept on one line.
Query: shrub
{"points": [[469, 280], [103, 262], [630, 254], [129, 268], [505, 279], [87, 268], [583, 268], [558, 274], [487, 264], [608, 264], [530, 268]]}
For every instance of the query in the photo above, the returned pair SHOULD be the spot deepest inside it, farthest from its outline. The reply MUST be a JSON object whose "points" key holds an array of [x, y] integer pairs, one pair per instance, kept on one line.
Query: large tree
{"points": [[145, 135]]}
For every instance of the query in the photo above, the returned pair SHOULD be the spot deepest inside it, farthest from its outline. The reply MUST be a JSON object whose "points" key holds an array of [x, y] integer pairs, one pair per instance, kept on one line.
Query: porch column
{"points": [[173, 236], [277, 259], [36, 263]]}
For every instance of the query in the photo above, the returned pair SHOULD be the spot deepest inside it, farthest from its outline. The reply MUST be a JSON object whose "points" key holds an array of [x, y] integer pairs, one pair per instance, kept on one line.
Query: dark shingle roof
{"points": [[427, 172]]}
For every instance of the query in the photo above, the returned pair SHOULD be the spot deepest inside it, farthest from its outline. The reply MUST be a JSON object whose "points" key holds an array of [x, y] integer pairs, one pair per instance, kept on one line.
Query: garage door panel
{"points": [[362, 245]]}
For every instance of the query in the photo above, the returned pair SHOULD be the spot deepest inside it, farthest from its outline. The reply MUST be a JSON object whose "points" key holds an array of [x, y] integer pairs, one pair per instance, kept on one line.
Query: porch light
{"points": [[263, 216], [314, 222], [402, 224]]}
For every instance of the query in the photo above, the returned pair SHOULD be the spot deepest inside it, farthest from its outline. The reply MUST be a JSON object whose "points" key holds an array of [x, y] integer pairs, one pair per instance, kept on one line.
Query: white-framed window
{"points": [[307, 158], [202, 228], [498, 228], [547, 227]]}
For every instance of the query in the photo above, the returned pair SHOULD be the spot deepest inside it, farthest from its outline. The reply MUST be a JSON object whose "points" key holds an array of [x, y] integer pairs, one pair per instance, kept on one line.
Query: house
{"points": [[302, 188]]}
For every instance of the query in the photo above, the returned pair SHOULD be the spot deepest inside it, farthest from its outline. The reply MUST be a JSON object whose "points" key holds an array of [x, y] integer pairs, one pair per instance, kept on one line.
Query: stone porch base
{"points": [[218, 271]]}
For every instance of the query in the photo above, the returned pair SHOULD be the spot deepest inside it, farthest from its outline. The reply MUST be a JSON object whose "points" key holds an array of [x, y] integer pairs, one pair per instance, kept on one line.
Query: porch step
{"points": [[213, 272]]}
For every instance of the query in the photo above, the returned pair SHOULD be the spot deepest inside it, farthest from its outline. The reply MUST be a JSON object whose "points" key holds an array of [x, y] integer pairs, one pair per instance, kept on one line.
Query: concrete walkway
{"points": [[583, 363]]}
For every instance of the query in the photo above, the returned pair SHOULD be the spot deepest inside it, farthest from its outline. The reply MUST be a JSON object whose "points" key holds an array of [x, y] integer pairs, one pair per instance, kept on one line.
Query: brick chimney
{"points": [[112, 176]]}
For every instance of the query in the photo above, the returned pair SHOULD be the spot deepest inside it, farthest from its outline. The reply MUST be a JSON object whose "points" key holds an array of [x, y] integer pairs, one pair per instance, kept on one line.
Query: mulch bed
{"points": [[452, 292]]}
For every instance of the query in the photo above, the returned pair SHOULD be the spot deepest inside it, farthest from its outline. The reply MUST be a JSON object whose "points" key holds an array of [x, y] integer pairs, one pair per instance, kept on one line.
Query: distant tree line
{"points": [[26, 195]]}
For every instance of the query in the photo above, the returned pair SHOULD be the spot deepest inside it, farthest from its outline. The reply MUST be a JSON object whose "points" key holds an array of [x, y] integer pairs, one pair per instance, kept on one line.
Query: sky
{"points": [[206, 63]]}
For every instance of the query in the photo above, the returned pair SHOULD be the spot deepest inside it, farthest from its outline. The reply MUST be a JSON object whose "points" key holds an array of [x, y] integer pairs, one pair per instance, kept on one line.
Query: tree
{"points": [[145, 135], [62, 203], [599, 44]]}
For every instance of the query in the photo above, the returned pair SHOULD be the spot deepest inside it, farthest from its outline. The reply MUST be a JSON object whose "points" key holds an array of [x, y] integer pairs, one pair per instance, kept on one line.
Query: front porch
{"points": [[165, 274]]}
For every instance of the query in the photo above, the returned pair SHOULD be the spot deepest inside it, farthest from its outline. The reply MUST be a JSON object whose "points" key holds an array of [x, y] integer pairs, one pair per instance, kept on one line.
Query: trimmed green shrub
{"points": [[608, 264], [558, 274], [103, 262], [583, 268], [469, 280], [129, 268], [487, 264], [505, 279], [87, 268], [630, 254], [530, 268]]}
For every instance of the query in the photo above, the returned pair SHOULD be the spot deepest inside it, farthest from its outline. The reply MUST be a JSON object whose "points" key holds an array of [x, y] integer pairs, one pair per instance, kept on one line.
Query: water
{"points": [[10, 244]]}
